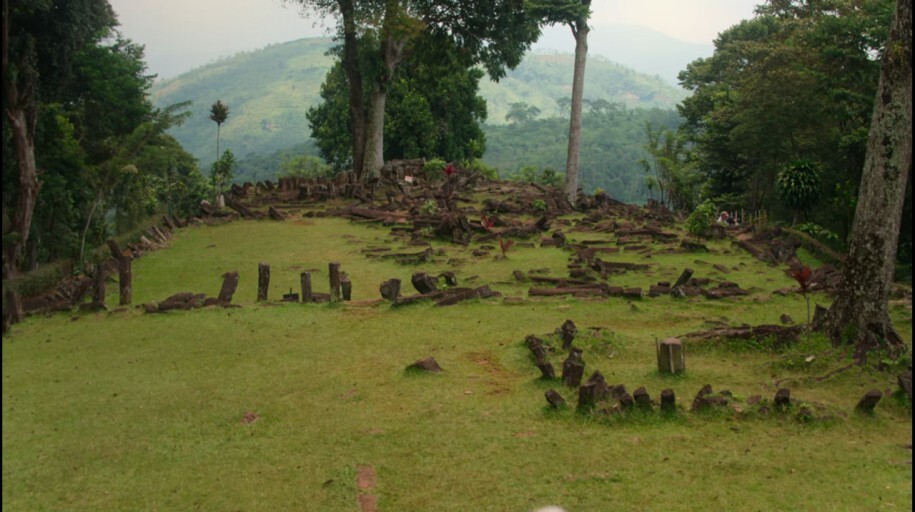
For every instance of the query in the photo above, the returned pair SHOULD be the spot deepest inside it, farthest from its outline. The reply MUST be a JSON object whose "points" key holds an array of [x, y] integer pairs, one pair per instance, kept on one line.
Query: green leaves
{"points": [[219, 112], [799, 184]]}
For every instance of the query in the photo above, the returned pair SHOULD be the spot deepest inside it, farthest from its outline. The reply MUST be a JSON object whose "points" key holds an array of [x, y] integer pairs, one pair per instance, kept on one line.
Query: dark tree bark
{"points": [[860, 314], [354, 77]]}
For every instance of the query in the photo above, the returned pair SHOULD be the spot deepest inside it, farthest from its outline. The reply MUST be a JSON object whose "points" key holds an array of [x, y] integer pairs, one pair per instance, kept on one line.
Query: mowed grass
{"points": [[132, 411]]}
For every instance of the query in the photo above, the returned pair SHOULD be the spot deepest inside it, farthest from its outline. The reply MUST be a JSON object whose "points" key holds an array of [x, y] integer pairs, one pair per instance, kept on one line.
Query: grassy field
{"points": [[133, 411]]}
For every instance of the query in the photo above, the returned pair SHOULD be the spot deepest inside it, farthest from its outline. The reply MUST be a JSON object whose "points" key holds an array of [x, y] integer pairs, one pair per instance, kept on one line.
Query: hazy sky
{"points": [[180, 35]]}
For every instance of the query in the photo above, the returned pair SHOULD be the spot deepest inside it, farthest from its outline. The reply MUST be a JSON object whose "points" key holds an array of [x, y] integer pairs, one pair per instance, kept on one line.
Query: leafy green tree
{"points": [[492, 33], [434, 110], [795, 82], [219, 113], [799, 186], [700, 221], [521, 113], [860, 313], [221, 173], [39, 42], [673, 167]]}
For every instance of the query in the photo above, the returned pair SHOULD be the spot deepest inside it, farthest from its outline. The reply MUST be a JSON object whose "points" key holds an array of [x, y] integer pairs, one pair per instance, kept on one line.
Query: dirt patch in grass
{"points": [[365, 482], [498, 378]]}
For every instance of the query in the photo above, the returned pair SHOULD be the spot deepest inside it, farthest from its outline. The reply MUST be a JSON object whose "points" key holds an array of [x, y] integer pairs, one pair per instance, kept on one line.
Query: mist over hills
{"points": [[642, 49], [269, 91]]}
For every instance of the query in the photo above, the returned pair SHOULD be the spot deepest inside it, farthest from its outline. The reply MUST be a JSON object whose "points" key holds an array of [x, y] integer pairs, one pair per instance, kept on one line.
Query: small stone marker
{"points": [[593, 391], [642, 399], [905, 382], [290, 297], [786, 319], [535, 345], [671, 356], [668, 400], [263, 281], [335, 288], [573, 368], [99, 276], [783, 398], [305, 279], [229, 284], [684, 277], [869, 401], [427, 365], [555, 399], [567, 332], [125, 276], [546, 370], [390, 289], [423, 283], [346, 287]]}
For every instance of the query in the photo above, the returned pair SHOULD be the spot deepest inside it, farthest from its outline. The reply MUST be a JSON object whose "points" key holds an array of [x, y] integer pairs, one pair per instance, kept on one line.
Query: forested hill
{"points": [[269, 90]]}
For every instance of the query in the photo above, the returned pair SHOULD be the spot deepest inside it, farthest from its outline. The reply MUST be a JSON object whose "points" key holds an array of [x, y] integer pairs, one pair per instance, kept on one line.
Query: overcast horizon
{"points": [[180, 35]]}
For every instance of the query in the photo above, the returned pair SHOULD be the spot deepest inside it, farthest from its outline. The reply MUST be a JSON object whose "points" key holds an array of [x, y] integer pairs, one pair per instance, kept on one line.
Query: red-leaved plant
{"points": [[804, 276], [449, 170], [505, 245], [487, 223]]}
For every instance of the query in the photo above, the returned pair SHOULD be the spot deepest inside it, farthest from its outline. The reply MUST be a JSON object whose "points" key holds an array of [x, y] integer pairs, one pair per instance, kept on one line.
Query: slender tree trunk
{"points": [[580, 30], [82, 240], [860, 314], [392, 53], [354, 77], [218, 127]]}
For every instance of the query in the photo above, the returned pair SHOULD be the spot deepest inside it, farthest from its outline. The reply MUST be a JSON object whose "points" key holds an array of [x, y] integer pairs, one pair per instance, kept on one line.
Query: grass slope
{"points": [[132, 411]]}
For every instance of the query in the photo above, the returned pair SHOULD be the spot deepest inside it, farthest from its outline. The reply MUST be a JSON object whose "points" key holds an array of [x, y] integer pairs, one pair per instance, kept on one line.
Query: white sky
{"points": [[180, 35]]}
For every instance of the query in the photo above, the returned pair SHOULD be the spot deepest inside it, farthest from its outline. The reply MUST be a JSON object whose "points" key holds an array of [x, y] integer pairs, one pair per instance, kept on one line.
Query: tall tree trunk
{"points": [[392, 53], [218, 127], [22, 125], [354, 77], [580, 30], [860, 313], [374, 140]]}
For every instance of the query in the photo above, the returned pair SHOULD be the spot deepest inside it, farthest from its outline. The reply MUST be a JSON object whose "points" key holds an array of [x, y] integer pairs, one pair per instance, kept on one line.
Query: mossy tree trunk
{"points": [[860, 314]]}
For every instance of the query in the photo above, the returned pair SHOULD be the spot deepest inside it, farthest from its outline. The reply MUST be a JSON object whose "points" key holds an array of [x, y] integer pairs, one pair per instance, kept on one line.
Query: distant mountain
{"points": [[269, 90], [642, 49]]}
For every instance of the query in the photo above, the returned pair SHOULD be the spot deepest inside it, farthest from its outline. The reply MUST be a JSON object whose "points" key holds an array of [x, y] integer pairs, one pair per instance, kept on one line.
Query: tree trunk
{"points": [[374, 139], [391, 53], [22, 126], [580, 30], [860, 314], [354, 77]]}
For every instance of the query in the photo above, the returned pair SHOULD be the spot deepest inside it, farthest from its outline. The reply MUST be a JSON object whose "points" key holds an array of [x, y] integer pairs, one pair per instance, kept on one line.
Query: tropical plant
{"points": [[799, 186], [803, 277], [221, 173], [700, 221], [219, 113]]}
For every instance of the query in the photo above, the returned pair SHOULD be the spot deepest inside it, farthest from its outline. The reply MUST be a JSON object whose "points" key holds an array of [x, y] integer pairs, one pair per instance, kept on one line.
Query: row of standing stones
{"points": [[595, 395]]}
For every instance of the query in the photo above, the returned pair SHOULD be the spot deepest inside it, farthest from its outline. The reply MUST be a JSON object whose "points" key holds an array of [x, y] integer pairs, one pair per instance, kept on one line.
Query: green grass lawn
{"points": [[133, 411]]}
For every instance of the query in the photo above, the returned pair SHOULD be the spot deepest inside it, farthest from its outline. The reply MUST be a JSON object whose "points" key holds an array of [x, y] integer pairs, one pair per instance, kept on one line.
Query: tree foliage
{"points": [[796, 82], [433, 109]]}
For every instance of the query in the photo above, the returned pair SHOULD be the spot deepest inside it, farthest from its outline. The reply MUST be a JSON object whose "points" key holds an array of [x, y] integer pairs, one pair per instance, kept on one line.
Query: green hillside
{"points": [[269, 91]]}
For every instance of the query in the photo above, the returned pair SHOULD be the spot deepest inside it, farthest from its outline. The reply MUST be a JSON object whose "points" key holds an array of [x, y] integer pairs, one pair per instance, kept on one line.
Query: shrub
{"points": [[434, 169], [699, 222]]}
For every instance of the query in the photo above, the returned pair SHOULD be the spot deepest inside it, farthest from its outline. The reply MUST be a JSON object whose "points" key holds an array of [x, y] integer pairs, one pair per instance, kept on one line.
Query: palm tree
{"points": [[219, 112]]}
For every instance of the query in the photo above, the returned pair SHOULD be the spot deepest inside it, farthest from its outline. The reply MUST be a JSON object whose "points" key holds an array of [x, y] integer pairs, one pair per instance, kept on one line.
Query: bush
{"points": [[434, 169], [700, 221]]}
